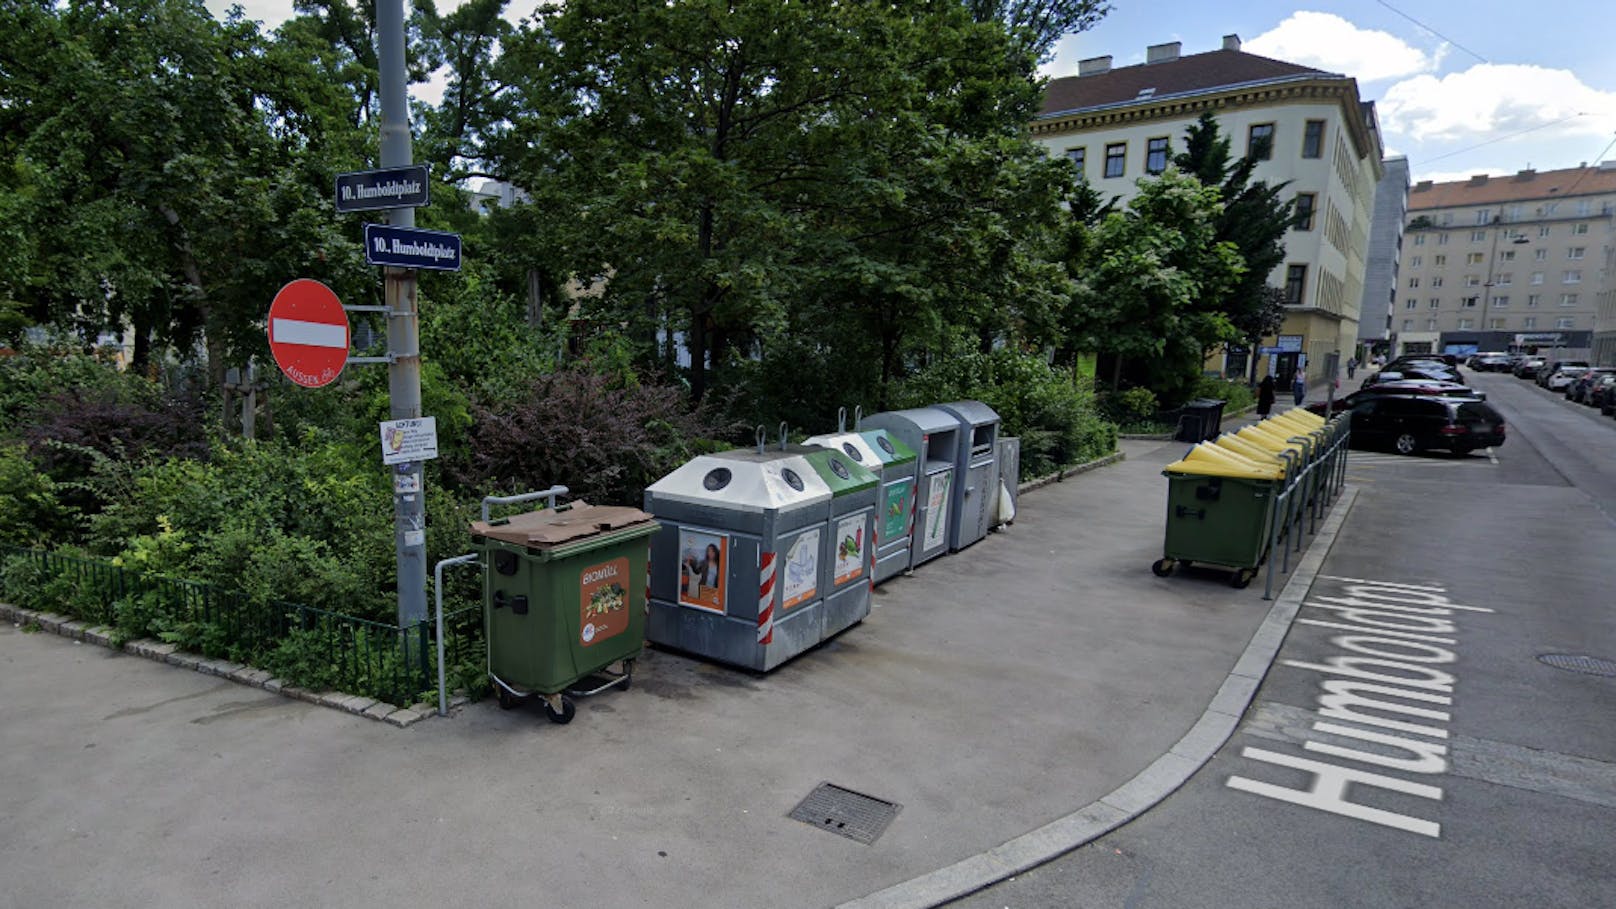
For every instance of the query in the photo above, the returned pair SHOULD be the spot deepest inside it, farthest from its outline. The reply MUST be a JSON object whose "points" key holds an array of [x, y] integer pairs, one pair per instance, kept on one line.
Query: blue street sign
{"points": [[406, 247], [370, 190]]}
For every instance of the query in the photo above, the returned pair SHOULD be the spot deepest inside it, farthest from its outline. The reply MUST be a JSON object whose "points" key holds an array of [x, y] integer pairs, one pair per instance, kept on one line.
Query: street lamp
{"points": [[1492, 265]]}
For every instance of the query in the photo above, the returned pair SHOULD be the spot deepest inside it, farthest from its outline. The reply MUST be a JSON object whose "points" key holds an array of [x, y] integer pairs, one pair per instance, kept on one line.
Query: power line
{"points": [[1597, 158], [1529, 129], [1433, 31]]}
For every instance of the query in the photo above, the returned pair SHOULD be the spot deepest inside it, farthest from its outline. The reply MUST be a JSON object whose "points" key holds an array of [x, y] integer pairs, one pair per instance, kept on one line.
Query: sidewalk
{"points": [[996, 691]]}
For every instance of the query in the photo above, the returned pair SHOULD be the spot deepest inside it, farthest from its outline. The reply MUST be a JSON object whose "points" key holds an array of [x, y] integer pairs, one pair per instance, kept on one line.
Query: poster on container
{"points": [[701, 569], [849, 548], [605, 601], [936, 511], [801, 570], [895, 510]]}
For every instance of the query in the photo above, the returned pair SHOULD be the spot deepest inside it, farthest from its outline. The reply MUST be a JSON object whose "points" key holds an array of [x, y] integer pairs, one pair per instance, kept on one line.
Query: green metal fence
{"points": [[305, 645]]}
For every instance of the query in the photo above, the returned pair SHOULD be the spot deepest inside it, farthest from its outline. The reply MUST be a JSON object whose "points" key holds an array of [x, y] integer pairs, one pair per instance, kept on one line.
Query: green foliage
{"points": [[1237, 396], [1136, 405], [32, 512]]}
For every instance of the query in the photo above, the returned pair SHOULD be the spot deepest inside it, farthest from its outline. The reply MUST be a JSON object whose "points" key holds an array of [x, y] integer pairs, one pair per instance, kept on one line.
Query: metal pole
{"points": [[403, 334], [437, 589]]}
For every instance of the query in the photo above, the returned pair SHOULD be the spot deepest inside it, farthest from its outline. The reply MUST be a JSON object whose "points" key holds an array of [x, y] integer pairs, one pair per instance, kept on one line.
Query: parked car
{"points": [[1527, 368], [1395, 389], [1555, 366], [1412, 423], [1579, 388], [1603, 393], [1489, 362], [1558, 379], [1426, 372], [1425, 362]]}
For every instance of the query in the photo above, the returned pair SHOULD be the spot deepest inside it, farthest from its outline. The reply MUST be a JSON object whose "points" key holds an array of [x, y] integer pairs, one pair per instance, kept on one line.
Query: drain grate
{"points": [[846, 813], [1576, 662]]}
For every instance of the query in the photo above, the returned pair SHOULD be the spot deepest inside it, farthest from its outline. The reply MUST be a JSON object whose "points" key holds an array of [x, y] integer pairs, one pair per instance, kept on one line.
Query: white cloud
{"points": [[1329, 42], [1496, 100], [1454, 176]]}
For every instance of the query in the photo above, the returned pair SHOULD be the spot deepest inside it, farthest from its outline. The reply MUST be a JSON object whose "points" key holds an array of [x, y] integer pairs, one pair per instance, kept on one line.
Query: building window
{"points": [[1442, 240], [1419, 239], [1295, 284], [1530, 322], [1584, 208], [1576, 252], [1416, 262], [1501, 300], [1156, 155], [1430, 325], [1507, 255], [1439, 260], [1313, 139], [1435, 302], [1116, 156], [1577, 229], [1567, 322], [1543, 231], [1410, 303], [1079, 159], [1436, 280], [1572, 276], [1466, 323], [1512, 213], [1537, 278], [1473, 259], [1414, 282], [1540, 255], [1408, 324], [1260, 141], [1495, 323], [1534, 299], [1506, 279], [1447, 218], [1472, 280], [1483, 216], [1470, 302], [1478, 236], [1306, 205], [1568, 299]]}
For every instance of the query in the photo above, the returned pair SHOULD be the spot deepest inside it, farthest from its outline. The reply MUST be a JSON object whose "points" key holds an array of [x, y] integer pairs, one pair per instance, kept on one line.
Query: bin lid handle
{"points": [[858, 416], [762, 437], [785, 435], [841, 419]]}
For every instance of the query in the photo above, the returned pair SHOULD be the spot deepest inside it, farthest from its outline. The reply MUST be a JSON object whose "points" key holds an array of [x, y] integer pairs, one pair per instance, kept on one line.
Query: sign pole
{"points": [[403, 329]]}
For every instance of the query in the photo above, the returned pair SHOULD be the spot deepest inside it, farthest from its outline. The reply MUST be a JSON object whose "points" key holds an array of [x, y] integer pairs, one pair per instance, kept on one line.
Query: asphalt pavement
{"points": [[1038, 687]]}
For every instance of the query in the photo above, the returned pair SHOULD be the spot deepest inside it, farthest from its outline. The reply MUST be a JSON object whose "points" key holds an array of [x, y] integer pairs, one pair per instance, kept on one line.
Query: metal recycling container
{"points": [[1009, 481], [933, 434], [885, 454], [976, 461], [563, 594], [848, 560], [736, 568]]}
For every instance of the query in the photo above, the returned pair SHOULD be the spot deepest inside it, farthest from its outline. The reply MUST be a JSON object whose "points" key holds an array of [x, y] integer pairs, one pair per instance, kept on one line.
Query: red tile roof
{"points": [[1521, 187], [1196, 72]]}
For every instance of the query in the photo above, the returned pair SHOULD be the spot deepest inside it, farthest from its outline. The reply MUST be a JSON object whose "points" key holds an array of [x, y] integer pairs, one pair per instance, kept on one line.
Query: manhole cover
{"points": [[1576, 662], [846, 813]]}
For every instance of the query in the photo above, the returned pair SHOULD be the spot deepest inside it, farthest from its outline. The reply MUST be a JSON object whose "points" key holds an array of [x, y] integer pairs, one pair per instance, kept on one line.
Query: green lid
{"points": [[841, 473], [888, 447]]}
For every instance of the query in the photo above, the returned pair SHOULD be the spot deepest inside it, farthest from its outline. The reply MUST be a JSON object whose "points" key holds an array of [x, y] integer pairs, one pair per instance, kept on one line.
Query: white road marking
{"points": [[312, 334], [1490, 456]]}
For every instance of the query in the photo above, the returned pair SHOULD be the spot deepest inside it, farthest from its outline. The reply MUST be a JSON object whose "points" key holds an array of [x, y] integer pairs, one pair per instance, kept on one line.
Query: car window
{"points": [[1366, 406], [1479, 411]]}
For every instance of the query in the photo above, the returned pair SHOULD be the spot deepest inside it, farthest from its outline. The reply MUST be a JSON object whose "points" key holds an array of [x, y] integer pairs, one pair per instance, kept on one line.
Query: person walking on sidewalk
{"points": [[1299, 388], [1352, 366], [1265, 396]]}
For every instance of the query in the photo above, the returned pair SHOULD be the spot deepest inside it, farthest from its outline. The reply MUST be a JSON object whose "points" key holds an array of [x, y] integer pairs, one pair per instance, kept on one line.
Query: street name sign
{"points": [[308, 333], [407, 247], [370, 190]]}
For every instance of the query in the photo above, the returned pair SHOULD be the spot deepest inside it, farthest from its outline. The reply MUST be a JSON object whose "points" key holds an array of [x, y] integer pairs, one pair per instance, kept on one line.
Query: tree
{"points": [[1253, 324], [1145, 277], [1038, 24]]}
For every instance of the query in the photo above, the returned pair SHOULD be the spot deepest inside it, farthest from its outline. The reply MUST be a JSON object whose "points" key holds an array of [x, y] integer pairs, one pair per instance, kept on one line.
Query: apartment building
{"points": [[1491, 262], [1308, 128], [1385, 257]]}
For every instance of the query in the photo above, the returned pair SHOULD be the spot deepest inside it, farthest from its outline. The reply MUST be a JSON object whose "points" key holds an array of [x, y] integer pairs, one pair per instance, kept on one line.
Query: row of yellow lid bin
{"points": [[1252, 452]]}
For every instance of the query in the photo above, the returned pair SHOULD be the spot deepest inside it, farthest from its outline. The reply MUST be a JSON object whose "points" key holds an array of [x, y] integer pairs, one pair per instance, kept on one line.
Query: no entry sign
{"points": [[308, 333]]}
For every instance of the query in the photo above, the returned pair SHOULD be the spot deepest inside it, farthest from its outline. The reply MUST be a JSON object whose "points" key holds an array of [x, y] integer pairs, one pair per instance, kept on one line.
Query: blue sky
{"points": [[1542, 93]]}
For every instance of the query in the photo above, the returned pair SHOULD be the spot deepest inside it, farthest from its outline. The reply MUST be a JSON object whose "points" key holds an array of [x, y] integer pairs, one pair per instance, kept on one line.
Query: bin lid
{"points": [[1208, 460], [841, 474], [926, 419], [888, 447], [971, 413], [851, 444], [744, 480], [562, 524]]}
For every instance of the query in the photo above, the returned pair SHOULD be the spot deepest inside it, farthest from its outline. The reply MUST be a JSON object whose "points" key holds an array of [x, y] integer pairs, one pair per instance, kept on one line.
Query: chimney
{"points": [[1093, 66], [1423, 185], [1231, 42], [1478, 179], [1163, 53], [1522, 176], [1607, 165]]}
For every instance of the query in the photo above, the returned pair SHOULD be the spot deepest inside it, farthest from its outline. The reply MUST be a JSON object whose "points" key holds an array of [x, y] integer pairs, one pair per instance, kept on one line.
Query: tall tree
{"points": [[1039, 24]]}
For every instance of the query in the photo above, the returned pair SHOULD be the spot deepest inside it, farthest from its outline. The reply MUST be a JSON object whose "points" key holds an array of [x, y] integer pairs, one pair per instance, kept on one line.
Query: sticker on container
{"points": [[895, 509], [605, 601], [701, 569], [936, 511], [849, 548], [801, 570]]}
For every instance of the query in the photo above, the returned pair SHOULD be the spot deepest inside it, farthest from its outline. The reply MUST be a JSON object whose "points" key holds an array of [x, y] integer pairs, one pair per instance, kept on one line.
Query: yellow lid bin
{"points": [[1306, 417], [1208, 460], [1231, 442], [1269, 440]]}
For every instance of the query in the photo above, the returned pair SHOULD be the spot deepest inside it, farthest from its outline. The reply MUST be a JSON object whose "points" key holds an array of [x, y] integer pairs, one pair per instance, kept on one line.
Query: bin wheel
{"points": [[568, 711], [1163, 567], [628, 675], [1242, 578], [507, 700]]}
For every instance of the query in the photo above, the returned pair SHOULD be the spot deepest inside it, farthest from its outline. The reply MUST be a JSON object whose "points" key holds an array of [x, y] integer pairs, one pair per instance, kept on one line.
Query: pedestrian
{"points": [[1299, 388], [1352, 366], [1265, 396]]}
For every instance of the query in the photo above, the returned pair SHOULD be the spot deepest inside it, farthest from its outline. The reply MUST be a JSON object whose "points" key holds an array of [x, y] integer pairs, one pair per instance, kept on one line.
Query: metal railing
{"points": [[1313, 481]]}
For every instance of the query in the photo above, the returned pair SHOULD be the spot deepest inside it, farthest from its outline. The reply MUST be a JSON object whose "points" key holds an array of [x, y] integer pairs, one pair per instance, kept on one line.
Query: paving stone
{"points": [[292, 691], [333, 699], [100, 635], [404, 717], [378, 710], [74, 629], [359, 703], [155, 648], [183, 660], [458, 700], [275, 685], [258, 677]]}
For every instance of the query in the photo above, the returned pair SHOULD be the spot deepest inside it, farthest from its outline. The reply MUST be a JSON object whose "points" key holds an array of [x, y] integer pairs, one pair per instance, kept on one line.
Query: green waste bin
{"points": [[563, 599], [1221, 521]]}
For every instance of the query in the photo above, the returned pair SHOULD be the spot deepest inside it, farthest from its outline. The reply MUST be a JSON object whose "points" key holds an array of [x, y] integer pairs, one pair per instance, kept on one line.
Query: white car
{"points": [[1564, 376]]}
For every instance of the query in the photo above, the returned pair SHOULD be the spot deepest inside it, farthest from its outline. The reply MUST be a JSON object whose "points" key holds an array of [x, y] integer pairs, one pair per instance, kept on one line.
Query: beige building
{"points": [[1527, 259], [1311, 130]]}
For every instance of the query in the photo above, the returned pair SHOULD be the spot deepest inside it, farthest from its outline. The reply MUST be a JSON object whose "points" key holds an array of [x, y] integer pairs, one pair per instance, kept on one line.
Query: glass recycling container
{"points": [[933, 435], [848, 563], [976, 463], [563, 598], [894, 461]]}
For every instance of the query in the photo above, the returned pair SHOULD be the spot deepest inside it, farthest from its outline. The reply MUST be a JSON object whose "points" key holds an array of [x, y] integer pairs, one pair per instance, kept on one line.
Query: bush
{"points": [[1236, 395], [32, 512]]}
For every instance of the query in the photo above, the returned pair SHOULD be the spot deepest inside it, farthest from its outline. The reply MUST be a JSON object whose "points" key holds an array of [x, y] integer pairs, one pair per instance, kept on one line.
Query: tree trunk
{"points": [[1116, 373], [535, 299]]}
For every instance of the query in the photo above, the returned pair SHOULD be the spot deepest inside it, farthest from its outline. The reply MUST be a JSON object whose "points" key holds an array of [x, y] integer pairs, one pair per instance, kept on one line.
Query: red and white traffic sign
{"points": [[308, 333]]}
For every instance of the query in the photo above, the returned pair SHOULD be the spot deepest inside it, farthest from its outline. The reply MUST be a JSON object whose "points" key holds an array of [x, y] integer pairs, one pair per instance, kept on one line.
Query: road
{"points": [[1486, 776]]}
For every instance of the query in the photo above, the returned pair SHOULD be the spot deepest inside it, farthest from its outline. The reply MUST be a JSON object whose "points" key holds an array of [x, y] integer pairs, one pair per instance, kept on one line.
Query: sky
{"points": [[1478, 86]]}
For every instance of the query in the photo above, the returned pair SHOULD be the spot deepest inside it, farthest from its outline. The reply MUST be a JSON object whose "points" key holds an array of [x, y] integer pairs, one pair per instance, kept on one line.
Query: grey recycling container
{"points": [[847, 562], [1009, 498], [894, 516], [743, 564], [976, 464], [933, 435]]}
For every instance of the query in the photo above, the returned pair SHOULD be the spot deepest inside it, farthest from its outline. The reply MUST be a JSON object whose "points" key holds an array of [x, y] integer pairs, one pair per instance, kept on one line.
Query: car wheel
{"points": [[1406, 444]]}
